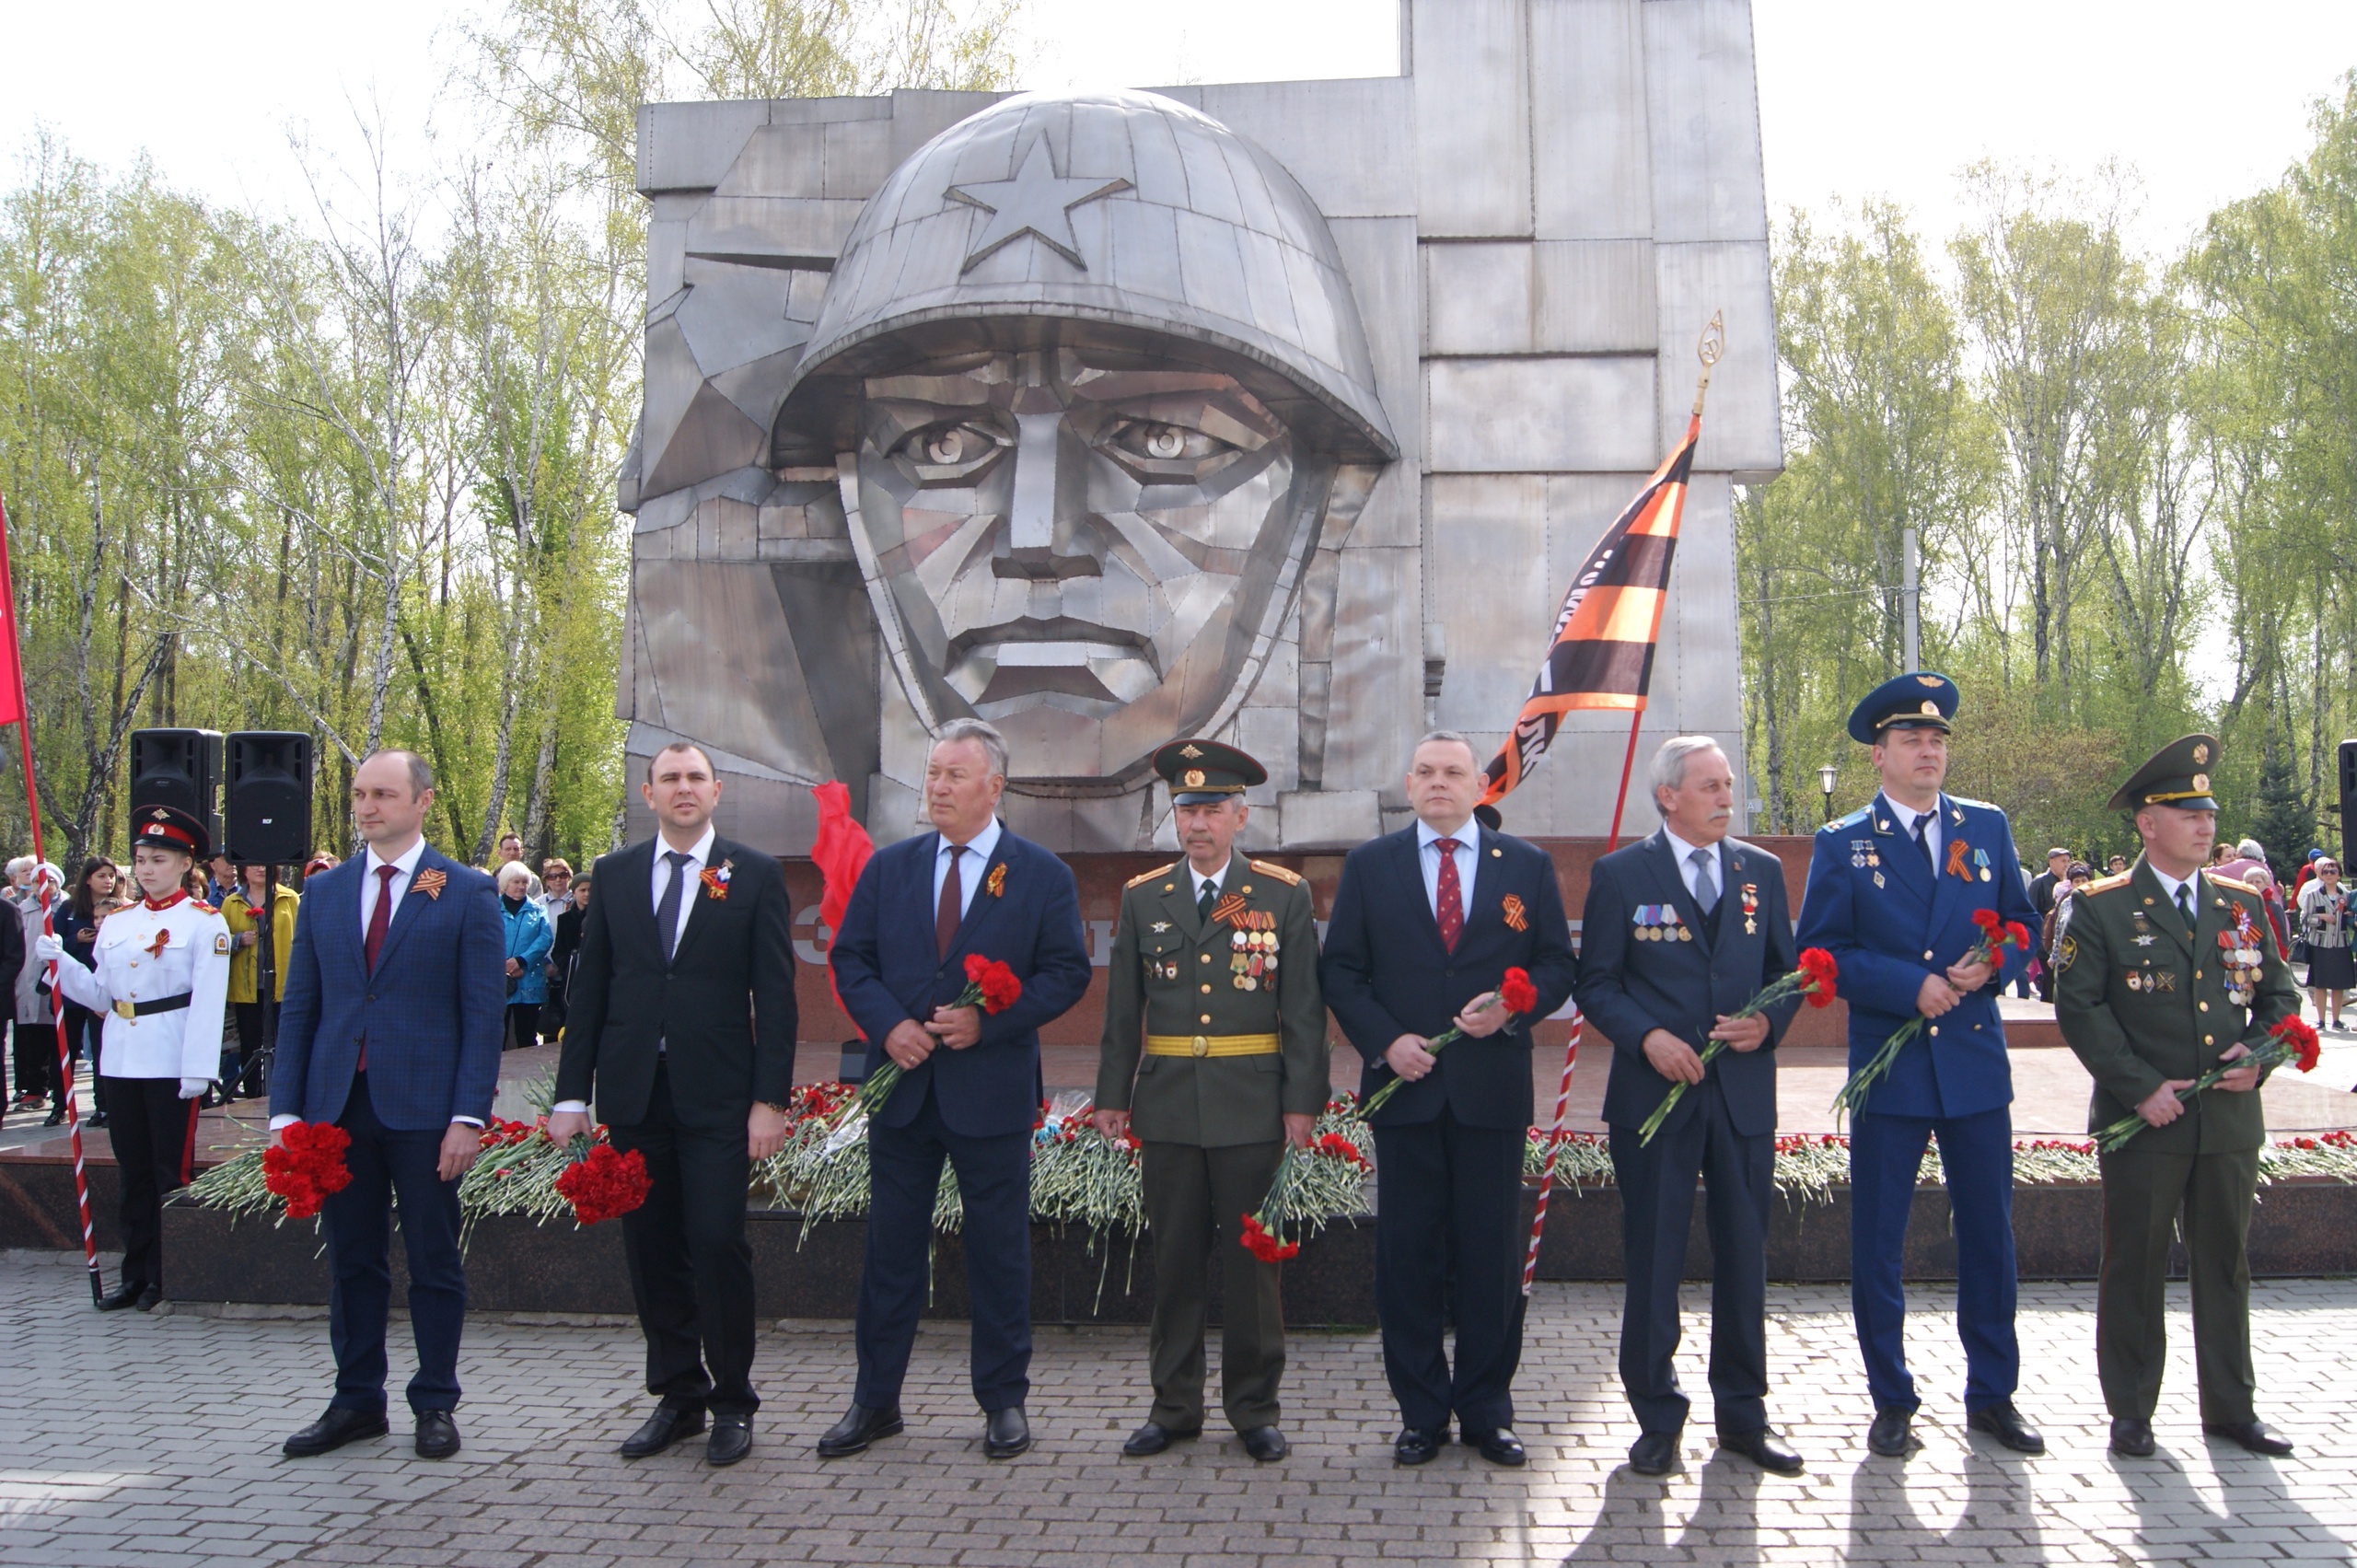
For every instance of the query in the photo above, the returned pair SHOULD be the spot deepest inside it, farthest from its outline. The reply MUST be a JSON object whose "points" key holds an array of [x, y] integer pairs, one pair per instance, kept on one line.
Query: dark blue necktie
{"points": [[666, 913]]}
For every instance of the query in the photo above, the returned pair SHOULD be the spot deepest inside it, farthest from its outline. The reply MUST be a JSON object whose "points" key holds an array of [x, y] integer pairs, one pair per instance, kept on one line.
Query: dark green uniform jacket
{"points": [[1171, 976]]}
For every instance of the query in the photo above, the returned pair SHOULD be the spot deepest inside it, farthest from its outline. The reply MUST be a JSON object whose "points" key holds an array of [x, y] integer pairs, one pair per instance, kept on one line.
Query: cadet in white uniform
{"points": [[161, 979]]}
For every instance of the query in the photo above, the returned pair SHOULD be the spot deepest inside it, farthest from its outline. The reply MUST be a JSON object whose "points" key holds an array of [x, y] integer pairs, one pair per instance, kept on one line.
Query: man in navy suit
{"points": [[1426, 922], [1892, 889], [1679, 933], [970, 1090], [390, 1029]]}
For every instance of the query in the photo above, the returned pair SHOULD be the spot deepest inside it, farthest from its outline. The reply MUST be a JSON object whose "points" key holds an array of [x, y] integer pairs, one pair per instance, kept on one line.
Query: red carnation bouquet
{"points": [[602, 1182], [989, 985], [1515, 991], [2293, 1040], [1997, 933], [1264, 1232], [305, 1164], [1815, 979]]}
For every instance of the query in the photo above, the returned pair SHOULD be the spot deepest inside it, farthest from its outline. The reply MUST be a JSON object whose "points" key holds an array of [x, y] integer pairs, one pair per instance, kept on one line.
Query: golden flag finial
{"points": [[1709, 350]]}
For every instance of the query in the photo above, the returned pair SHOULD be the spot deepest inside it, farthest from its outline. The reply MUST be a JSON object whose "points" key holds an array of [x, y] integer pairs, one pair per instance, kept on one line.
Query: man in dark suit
{"points": [[682, 1022], [2043, 886], [1426, 922], [1679, 932], [1892, 889], [971, 1093], [389, 1027]]}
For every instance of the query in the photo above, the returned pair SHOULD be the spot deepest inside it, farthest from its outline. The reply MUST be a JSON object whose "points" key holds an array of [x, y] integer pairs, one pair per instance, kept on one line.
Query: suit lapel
{"points": [[981, 902], [407, 911], [695, 896], [1407, 861], [1945, 888]]}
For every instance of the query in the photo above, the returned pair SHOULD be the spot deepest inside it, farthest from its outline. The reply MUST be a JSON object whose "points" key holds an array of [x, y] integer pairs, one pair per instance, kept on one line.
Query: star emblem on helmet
{"points": [[1036, 202]]}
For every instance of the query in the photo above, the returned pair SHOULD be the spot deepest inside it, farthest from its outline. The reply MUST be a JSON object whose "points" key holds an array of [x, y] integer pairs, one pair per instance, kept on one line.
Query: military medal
{"points": [[1750, 909], [1981, 859]]}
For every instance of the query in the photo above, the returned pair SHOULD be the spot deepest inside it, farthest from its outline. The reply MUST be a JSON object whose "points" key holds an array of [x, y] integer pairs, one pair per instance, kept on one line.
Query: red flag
{"points": [[1602, 652], [12, 669], [841, 852]]}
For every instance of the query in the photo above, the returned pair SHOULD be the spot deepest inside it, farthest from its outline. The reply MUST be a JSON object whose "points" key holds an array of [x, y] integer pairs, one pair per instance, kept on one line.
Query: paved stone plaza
{"points": [[131, 1439]]}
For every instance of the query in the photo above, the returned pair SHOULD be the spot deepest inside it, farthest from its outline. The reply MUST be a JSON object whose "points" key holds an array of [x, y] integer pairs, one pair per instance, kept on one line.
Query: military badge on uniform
{"points": [[220, 943], [1750, 909], [1252, 944], [995, 883], [2239, 954], [2066, 953], [431, 882], [1957, 850], [715, 881], [1515, 917]]}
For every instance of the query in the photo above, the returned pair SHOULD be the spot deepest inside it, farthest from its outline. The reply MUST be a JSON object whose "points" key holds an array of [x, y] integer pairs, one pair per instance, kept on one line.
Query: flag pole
{"points": [[48, 913], [1712, 346]]}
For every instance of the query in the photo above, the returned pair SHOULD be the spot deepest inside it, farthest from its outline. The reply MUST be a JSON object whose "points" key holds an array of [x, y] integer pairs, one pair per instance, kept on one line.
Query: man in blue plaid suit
{"points": [[390, 1029]]}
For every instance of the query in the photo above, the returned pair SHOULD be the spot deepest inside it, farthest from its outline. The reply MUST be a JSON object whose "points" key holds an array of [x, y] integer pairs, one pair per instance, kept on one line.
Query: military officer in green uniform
{"points": [[2167, 971], [1213, 1055]]}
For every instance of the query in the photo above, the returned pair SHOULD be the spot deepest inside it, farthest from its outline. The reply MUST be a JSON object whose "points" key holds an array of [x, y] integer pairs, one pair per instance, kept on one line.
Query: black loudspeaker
{"points": [[2348, 804], [266, 797], [181, 768]]}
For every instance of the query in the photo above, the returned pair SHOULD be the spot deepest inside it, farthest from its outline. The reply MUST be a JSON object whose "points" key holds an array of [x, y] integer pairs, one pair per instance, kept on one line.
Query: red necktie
{"points": [[380, 920], [1452, 898], [947, 918]]}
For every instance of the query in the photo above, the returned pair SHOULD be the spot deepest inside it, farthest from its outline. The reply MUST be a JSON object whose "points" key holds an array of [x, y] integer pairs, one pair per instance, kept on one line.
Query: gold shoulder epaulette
{"points": [[2106, 885], [1150, 876], [2236, 884], [1266, 868]]}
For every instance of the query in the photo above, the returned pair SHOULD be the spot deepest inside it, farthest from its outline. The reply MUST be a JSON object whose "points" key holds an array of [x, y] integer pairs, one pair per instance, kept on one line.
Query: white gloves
{"points": [[48, 949], [191, 1088]]}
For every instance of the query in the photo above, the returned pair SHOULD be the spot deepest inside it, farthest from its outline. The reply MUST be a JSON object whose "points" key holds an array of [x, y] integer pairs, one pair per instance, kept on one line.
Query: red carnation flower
{"points": [[306, 1165], [2017, 934], [1264, 1245], [994, 985], [1342, 1148], [2295, 1032], [1821, 971], [1519, 994], [605, 1184], [1987, 919]]}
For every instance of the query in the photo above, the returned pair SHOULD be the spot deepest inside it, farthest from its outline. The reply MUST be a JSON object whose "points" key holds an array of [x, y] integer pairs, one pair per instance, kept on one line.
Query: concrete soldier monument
{"points": [[1274, 413]]}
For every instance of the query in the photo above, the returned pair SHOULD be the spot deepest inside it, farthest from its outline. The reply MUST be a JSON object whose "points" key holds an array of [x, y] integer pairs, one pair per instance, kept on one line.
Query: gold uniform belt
{"points": [[1211, 1045]]}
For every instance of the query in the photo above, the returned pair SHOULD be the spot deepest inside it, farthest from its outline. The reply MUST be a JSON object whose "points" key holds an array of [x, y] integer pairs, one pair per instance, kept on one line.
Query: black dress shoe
{"points": [[1417, 1445], [333, 1430], [1265, 1443], [668, 1425], [2255, 1436], [122, 1295], [2133, 1437], [55, 1119], [97, 1121], [1499, 1448], [437, 1435], [731, 1440], [1006, 1433], [1891, 1434], [860, 1426], [1151, 1439], [2004, 1422], [1654, 1454], [150, 1298], [1764, 1449]]}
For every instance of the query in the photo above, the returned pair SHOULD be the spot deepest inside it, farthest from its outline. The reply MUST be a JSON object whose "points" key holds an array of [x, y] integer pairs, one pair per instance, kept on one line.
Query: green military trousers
{"points": [[2143, 1194], [1195, 1202]]}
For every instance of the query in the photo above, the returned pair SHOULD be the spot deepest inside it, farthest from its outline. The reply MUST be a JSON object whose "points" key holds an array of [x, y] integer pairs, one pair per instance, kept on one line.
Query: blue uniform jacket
{"points": [[1025, 913], [1630, 984], [1889, 921], [431, 1012], [1385, 973]]}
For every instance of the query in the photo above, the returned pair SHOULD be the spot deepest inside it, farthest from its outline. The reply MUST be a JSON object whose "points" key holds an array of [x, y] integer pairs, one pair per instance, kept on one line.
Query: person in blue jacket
{"points": [[1892, 889], [528, 940]]}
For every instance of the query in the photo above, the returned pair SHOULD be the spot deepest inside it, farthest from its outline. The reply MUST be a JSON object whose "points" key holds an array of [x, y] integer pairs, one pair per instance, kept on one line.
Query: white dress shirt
{"points": [[2169, 885], [660, 880], [1468, 861], [972, 865], [1685, 853], [1907, 826], [1202, 882], [404, 867]]}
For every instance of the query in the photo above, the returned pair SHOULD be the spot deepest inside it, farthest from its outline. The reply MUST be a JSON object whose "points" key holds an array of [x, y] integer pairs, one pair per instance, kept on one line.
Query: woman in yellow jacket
{"points": [[242, 909]]}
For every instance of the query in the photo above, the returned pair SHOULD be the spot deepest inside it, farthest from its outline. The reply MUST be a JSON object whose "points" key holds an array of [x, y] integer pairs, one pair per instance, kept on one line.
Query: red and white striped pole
{"points": [[47, 908], [1554, 1143]]}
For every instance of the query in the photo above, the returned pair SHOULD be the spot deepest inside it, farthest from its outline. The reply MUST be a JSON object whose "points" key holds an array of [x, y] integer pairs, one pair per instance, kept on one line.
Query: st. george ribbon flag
{"points": [[1602, 652]]}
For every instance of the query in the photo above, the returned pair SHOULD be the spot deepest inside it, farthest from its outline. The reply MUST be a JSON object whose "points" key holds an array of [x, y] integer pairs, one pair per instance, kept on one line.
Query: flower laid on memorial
{"points": [[2292, 1042], [1997, 933], [306, 1165], [601, 1182], [1521, 998], [1815, 979], [989, 985]]}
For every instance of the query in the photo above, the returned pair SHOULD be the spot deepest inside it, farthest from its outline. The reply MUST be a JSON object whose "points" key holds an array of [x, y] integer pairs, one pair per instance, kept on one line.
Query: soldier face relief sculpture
{"points": [[1087, 546]]}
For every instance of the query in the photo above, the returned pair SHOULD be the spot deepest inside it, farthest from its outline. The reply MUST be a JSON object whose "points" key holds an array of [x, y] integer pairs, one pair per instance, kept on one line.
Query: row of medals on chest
{"points": [[2235, 955], [1252, 952]]}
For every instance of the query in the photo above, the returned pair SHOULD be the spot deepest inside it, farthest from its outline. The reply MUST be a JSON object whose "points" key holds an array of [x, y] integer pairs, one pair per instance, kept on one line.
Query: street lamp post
{"points": [[1825, 778]]}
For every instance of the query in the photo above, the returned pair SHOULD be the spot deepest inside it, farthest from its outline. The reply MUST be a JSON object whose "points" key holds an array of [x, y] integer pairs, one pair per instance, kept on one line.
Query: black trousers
{"points": [[994, 1184], [1656, 1214], [154, 1134], [390, 1165], [690, 1266], [249, 1081], [523, 1026], [1448, 1243], [36, 1053]]}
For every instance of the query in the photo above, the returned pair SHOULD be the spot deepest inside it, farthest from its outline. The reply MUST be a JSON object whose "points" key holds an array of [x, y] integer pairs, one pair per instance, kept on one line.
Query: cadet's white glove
{"points": [[48, 949], [191, 1088]]}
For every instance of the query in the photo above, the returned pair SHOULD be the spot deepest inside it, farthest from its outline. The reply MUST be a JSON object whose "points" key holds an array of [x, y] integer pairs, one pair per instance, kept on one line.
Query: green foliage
{"points": [[2285, 825]]}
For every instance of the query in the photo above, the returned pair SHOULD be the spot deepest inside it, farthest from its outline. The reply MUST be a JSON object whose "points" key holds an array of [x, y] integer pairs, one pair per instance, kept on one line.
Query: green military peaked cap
{"points": [[2177, 774], [1202, 771]]}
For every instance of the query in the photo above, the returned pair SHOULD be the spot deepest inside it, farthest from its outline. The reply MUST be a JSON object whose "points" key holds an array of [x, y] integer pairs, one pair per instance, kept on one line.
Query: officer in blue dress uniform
{"points": [[1891, 893]]}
